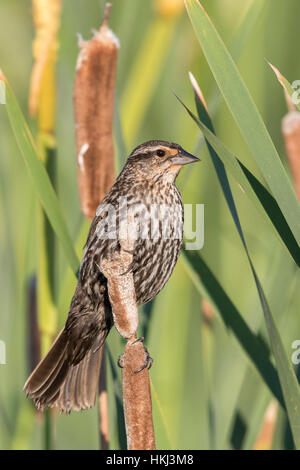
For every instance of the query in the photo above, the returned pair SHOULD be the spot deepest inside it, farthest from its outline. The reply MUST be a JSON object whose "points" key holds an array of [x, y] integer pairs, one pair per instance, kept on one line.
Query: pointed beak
{"points": [[183, 158]]}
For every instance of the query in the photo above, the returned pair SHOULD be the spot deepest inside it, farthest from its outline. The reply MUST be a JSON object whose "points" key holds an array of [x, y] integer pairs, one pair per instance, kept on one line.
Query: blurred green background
{"points": [[206, 392]]}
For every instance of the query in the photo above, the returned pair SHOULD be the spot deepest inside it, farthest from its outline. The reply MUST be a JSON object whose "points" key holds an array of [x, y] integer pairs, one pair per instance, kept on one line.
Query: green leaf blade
{"points": [[255, 190], [256, 350], [287, 377], [39, 176], [245, 114]]}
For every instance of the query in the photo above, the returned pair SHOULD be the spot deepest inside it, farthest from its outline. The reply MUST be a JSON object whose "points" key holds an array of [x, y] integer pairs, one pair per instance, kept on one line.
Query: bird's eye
{"points": [[160, 153]]}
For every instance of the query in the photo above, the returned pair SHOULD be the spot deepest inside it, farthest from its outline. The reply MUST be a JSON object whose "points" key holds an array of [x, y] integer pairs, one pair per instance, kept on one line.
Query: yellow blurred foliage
{"points": [[42, 103], [46, 16], [168, 8]]}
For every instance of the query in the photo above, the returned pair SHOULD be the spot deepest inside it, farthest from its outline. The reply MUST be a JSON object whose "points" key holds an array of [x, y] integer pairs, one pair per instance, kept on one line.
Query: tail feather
{"points": [[57, 382], [50, 395], [44, 383], [90, 380], [80, 388], [53, 376], [77, 386]]}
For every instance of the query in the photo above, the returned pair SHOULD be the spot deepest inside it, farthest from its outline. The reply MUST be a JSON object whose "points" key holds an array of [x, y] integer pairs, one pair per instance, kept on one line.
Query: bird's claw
{"points": [[138, 340], [128, 269], [121, 361], [147, 363], [131, 252]]}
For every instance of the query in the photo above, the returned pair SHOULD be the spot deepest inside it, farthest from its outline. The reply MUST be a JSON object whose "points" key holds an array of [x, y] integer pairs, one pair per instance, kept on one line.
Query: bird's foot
{"points": [[128, 270], [121, 361], [131, 252], [147, 363]]}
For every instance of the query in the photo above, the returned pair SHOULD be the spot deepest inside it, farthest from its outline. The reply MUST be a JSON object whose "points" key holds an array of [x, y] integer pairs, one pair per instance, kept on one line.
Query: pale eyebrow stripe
{"points": [[147, 149]]}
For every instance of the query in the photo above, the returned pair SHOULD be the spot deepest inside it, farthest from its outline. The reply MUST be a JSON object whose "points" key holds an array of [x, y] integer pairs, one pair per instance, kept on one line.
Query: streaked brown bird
{"points": [[68, 375]]}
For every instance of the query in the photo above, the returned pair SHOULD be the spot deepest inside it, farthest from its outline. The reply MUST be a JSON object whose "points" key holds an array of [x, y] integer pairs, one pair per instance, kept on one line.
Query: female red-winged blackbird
{"points": [[68, 374]]}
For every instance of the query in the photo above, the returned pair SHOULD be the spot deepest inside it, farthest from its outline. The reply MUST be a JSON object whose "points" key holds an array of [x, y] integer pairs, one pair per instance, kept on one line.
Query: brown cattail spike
{"points": [[94, 108], [136, 382], [103, 406], [265, 437], [137, 400], [207, 310], [106, 14], [120, 281]]}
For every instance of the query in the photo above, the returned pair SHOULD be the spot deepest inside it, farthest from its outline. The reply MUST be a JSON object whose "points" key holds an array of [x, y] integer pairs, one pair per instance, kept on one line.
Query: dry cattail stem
{"points": [[208, 311], [291, 135], [34, 347], [265, 437], [94, 107], [136, 386], [197, 90], [120, 282], [103, 406], [137, 399]]}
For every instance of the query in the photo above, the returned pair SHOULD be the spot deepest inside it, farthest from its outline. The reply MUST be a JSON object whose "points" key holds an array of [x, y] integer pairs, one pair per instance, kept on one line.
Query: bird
{"points": [[67, 377]]}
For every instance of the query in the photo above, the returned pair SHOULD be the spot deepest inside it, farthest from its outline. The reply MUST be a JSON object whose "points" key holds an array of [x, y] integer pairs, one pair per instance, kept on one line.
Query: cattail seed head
{"points": [[94, 107]]}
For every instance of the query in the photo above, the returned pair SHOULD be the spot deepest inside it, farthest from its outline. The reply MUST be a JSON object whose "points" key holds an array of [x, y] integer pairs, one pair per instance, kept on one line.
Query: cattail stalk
{"points": [[94, 91], [265, 437], [103, 405], [136, 385], [137, 400], [34, 349], [42, 105], [94, 108]]}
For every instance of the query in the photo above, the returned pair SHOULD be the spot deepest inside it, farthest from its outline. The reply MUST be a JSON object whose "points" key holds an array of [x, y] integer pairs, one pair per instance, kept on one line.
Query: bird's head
{"points": [[158, 160]]}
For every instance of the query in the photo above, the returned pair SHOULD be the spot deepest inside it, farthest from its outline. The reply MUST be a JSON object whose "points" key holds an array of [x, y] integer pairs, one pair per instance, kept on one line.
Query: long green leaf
{"points": [[254, 189], [257, 351], [245, 114], [239, 42], [253, 14], [39, 176], [206, 282], [286, 372]]}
